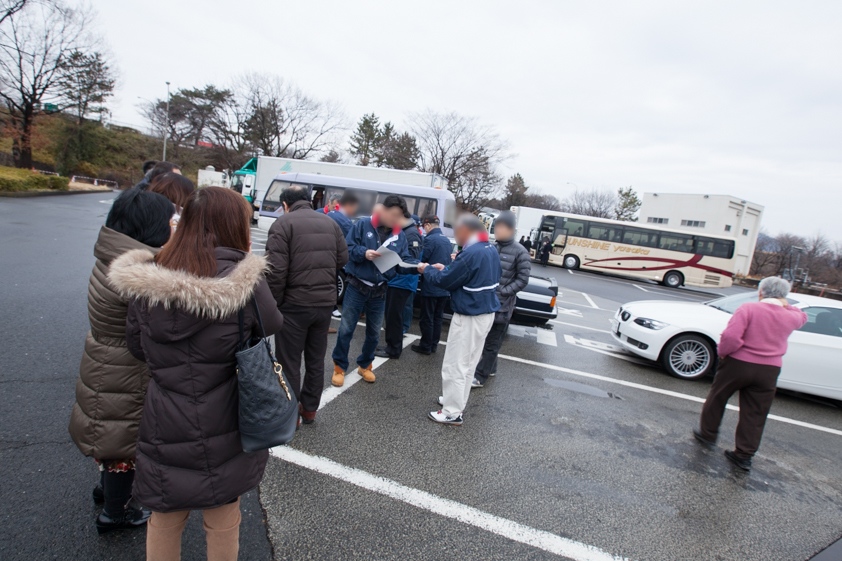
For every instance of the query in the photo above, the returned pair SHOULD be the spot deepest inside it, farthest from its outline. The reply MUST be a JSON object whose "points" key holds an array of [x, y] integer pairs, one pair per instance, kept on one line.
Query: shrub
{"points": [[13, 179]]}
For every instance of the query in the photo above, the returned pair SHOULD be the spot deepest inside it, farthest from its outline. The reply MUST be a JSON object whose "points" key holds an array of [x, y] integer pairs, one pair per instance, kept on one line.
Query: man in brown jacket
{"points": [[305, 250]]}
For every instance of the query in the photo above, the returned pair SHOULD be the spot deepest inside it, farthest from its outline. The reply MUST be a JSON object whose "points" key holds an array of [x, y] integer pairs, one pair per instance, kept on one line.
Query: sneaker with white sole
{"points": [[337, 314], [441, 400], [445, 418], [476, 384]]}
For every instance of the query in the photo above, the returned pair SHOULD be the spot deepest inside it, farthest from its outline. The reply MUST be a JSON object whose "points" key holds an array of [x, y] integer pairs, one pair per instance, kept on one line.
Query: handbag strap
{"points": [[241, 323]]}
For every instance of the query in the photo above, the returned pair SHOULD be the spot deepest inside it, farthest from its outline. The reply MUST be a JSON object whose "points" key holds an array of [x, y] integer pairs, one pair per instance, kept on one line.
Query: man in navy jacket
{"points": [[437, 249], [472, 281], [345, 213], [366, 286]]}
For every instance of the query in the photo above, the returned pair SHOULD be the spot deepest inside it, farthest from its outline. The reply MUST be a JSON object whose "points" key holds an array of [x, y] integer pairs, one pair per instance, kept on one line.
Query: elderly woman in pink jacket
{"points": [[751, 350]]}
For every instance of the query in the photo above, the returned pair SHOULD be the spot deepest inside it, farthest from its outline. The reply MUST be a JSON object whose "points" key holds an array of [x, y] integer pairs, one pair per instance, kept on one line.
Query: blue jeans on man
{"points": [[354, 304]]}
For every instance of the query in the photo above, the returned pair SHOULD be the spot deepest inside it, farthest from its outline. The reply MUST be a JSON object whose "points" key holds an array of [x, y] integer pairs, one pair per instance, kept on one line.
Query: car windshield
{"points": [[729, 304]]}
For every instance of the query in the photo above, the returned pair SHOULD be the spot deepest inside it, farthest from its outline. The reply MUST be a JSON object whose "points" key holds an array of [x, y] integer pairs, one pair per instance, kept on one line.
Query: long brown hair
{"points": [[212, 217], [173, 186]]}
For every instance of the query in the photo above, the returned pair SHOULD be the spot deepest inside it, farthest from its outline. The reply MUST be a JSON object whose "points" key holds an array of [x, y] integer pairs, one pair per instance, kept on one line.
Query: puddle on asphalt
{"points": [[580, 388]]}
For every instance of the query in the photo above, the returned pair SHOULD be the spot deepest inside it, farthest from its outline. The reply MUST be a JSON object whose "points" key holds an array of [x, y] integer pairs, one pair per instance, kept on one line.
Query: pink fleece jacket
{"points": [[758, 332]]}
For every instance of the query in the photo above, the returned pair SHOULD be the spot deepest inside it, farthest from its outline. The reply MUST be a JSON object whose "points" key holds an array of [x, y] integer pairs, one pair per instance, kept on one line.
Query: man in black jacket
{"points": [[515, 262], [305, 251]]}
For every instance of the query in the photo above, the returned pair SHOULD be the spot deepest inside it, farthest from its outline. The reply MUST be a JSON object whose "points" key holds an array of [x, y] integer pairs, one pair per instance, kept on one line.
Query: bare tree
{"points": [[465, 152], [34, 44], [284, 121], [541, 200], [593, 202], [8, 8]]}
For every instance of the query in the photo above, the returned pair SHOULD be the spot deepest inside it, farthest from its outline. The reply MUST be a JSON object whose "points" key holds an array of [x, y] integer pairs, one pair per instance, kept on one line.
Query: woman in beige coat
{"points": [[112, 383]]}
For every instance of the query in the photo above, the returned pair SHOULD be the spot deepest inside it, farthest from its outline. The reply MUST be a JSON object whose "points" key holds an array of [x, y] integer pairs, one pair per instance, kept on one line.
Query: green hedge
{"points": [[14, 179]]}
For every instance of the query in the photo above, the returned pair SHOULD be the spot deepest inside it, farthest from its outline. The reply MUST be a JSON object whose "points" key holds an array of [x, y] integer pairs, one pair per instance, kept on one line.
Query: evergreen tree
{"points": [[365, 140], [628, 203], [514, 193], [397, 151]]}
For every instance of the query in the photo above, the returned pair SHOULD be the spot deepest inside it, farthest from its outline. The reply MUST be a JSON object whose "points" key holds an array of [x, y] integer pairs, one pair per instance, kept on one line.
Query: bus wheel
{"points": [[673, 279], [571, 262]]}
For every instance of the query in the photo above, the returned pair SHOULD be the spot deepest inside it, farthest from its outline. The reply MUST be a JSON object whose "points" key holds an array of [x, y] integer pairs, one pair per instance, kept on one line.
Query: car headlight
{"points": [[650, 323]]}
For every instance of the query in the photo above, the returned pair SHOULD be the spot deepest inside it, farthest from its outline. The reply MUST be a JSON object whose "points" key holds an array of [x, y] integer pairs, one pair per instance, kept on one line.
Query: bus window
{"points": [[575, 227], [605, 232], [715, 248], [676, 242], [426, 206], [643, 238]]}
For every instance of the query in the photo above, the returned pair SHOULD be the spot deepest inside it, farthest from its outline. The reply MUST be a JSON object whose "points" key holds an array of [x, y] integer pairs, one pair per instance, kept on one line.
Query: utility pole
{"points": [[166, 125]]}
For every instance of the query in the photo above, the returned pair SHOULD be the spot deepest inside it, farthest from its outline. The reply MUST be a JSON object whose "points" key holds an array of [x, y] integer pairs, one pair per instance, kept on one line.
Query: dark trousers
{"points": [[488, 361], [432, 311], [305, 332], [393, 320], [756, 384]]}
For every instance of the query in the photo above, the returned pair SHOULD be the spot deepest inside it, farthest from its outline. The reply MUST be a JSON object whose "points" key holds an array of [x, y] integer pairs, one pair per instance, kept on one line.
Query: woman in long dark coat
{"points": [[184, 323]]}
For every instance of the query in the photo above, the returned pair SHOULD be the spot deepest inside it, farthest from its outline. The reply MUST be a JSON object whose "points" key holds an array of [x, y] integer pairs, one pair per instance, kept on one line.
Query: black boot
{"points": [[119, 513], [98, 494]]}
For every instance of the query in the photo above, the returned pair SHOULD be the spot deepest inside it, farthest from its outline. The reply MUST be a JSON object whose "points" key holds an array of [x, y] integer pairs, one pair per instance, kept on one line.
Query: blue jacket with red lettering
{"points": [[471, 279]]}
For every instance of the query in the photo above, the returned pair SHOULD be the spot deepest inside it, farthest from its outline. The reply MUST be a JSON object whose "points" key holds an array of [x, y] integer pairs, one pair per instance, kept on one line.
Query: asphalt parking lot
{"points": [[575, 450]]}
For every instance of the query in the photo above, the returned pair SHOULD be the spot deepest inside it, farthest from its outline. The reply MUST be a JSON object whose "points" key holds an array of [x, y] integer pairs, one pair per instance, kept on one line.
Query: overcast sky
{"points": [[740, 98]]}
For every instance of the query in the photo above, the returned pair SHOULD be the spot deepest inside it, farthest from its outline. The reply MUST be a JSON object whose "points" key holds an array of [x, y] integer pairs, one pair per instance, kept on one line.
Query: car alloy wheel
{"points": [[689, 357]]}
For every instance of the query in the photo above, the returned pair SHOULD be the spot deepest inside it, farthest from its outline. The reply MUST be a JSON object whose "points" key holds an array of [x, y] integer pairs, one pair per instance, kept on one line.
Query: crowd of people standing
{"points": [[175, 289]]}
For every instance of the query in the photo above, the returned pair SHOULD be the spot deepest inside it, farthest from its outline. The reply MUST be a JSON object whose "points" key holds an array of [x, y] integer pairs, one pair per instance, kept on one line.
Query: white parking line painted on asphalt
{"points": [[590, 301], [580, 326], [640, 287], [351, 378], [604, 348], [504, 527], [546, 337], [652, 389]]}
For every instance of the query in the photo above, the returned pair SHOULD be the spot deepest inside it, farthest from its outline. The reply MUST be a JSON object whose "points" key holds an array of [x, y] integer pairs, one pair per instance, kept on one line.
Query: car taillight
{"points": [[552, 302]]}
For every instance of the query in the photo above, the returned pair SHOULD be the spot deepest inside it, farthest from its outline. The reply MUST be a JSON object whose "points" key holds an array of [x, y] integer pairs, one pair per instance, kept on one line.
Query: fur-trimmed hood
{"points": [[135, 275]]}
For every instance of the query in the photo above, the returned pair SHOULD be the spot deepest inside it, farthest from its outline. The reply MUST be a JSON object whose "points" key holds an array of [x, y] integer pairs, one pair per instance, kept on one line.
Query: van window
{"points": [[449, 213], [427, 206], [410, 201], [367, 200], [272, 199]]}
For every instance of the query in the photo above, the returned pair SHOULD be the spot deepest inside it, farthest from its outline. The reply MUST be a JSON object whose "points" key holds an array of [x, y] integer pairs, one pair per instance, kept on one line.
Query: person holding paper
{"points": [[366, 283], [401, 287], [472, 281]]}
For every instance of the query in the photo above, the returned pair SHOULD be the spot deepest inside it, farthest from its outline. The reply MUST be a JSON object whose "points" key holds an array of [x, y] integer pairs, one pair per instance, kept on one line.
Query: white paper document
{"points": [[389, 259]]}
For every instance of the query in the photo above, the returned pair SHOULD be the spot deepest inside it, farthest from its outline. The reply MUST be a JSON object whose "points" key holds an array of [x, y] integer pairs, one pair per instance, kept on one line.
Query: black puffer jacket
{"points": [[514, 260], [189, 454], [305, 250]]}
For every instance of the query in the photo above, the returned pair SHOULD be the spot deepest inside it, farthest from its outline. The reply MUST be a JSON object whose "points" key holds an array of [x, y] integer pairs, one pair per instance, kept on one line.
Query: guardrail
{"points": [[94, 181], [42, 172]]}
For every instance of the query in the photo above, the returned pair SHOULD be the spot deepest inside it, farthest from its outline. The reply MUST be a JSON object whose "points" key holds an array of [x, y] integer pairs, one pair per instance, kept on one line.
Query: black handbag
{"points": [[268, 408]]}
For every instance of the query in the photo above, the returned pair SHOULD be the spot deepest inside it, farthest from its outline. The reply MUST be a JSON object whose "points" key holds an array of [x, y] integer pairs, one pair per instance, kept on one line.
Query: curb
{"points": [[25, 194]]}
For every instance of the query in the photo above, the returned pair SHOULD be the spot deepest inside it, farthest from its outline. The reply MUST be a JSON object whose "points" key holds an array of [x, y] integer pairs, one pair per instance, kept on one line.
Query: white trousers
{"points": [[465, 340]]}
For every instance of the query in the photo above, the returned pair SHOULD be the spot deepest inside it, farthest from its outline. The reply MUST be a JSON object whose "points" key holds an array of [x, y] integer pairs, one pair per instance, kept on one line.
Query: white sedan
{"points": [[683, 337]]}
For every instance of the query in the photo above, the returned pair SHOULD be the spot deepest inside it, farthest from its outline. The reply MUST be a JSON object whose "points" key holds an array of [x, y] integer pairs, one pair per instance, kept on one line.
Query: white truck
{"points": [[268, 168], [528, 221], [209, 177]]}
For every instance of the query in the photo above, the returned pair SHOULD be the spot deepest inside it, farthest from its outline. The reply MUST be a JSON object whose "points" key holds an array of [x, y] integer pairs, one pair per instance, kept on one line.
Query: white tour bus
{"points": [[671, 257], [420, 200]]}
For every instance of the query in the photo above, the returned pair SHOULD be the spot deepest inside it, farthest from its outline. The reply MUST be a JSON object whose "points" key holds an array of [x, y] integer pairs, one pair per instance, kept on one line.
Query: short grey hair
{"points": [[471, 222], [774, 287], [336, 197]]}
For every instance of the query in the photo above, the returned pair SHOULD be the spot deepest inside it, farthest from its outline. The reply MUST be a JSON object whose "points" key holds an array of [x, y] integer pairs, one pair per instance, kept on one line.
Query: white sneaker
{"points": [[493, 374], [476, 384], [441, 400], [445, 418], [337, 314]]}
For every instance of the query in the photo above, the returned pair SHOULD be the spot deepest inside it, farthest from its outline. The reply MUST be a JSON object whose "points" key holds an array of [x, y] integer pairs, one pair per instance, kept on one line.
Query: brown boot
{"points": [[307, 416], [367, 374], [338, 378]]}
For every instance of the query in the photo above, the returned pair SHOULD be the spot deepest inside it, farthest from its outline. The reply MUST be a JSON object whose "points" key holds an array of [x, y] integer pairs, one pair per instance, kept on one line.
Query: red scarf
{"points": [[327, 208]]}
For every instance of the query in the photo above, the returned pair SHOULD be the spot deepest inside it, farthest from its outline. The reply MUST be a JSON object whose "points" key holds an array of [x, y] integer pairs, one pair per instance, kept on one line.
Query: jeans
{"points": [[488, 362], [353, 306], [432, 310], [407, 312], [305, 331]]}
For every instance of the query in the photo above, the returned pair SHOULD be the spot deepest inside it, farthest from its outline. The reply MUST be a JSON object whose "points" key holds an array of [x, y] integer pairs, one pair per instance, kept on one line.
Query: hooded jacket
{"points": [[305, 250], [185, 327], [437, 249], [366, 234], [112, 382], [516, 267], [471, 279], [414, 244]]}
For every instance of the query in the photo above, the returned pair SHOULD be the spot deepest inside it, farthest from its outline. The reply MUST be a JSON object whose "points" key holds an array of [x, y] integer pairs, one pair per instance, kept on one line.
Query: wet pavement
{"points": [[573, 451]]}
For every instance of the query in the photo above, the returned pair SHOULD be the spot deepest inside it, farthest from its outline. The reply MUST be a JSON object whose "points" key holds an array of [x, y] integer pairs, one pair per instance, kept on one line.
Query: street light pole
{"points": [[166, 125]]}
